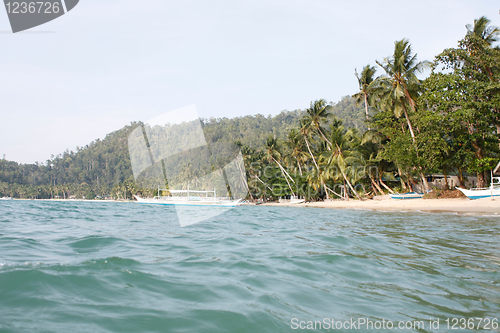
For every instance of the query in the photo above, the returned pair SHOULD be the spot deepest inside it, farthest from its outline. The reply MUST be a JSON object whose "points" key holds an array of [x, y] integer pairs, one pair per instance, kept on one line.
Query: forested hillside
{"points": [[351, 114]]}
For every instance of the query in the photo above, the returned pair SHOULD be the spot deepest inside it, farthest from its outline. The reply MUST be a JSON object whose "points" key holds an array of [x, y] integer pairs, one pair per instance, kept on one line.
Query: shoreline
{"points": [[71, 200], [465, 206], [486, 206]]}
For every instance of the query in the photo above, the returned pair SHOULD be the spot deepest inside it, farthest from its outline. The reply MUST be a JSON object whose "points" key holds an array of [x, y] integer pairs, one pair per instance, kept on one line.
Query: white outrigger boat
{"points": [[488, 192], [189, 198], [6, 198], [403, 196]]}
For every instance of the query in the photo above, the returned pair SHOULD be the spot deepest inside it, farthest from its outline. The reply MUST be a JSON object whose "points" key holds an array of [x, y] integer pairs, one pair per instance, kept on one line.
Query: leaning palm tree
{"points": [[272, 154], [294, 143], [339, 157], [400, 87], [365, 81], [305, 131]]}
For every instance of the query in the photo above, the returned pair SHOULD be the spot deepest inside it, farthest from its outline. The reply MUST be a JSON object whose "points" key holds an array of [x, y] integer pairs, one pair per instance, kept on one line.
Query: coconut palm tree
{"points": [[318, 113], [294, 143], [305, 130], [272, 154], [400, 87], [365, 81], [482, 29], [341, 155]]}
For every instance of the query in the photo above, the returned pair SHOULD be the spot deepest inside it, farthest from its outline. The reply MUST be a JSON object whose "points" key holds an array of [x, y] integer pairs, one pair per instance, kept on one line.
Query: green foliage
{"points": [[450, 122]]}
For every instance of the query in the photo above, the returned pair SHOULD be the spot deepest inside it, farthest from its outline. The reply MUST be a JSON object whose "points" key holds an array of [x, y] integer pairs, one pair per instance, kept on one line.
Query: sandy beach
{"points": [[485, 206]]}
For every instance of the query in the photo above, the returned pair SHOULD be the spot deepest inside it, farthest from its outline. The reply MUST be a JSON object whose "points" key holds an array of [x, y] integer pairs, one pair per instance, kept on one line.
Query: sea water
{"points": [[125, 267]]}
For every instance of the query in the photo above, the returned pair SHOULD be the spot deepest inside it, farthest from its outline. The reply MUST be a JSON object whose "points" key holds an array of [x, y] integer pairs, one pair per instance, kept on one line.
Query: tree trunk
{"points": [[478, 152], [401, 179], [298, 163], [424, 180], [387, 187], [366, 110], [409, 124], [481, 182], [350, 186], [283, 170], [329, 189], [376, 187], [326, 192], [446, 187], [312, 156], [324, 137], [253, 174]]}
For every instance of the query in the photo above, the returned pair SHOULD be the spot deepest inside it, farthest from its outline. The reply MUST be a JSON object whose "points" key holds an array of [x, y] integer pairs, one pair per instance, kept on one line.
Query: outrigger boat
{"points": [[488, 192], [6, 198], [189, 198], [411, 195]]}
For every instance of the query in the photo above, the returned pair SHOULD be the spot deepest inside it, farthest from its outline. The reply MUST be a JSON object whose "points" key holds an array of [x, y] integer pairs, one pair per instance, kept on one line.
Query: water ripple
{"points": [[115, 267]]}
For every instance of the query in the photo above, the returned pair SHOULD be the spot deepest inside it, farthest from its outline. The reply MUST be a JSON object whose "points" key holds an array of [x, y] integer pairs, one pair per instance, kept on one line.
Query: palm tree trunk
{"points": [[298, 163], [324, 137], [376, 187], [366, 110], [424, 180], [257, 177], [284, 175], [326, 192], [283, 170], [409, 124], [309, 148], [329, 189], [387, 187], [350, 186], [401, 179]]}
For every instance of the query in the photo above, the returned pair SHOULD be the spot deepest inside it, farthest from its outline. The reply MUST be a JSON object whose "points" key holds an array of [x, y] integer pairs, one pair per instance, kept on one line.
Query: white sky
{"points": [[109, 62]]}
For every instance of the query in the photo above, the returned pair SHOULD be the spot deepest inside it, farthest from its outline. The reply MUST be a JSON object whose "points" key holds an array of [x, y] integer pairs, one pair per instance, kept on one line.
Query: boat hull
{"points": [[480, 194], [411, 195]]}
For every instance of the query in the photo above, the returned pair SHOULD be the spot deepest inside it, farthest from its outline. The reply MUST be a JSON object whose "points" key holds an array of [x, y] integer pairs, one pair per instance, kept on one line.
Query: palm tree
{"points": [[272, 154], [317, 114], [401, 86], [305, 131], [375, 166], [365, 86], [340, 156], [482, 29], [295, 145]]}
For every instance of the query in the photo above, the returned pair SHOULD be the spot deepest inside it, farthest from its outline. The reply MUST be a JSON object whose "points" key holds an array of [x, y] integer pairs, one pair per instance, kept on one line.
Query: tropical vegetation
{"points": [[391, 135]]}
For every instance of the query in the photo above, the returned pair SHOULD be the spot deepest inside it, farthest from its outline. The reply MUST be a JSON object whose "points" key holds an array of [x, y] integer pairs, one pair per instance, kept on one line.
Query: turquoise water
{"points": [[123, 267]]}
